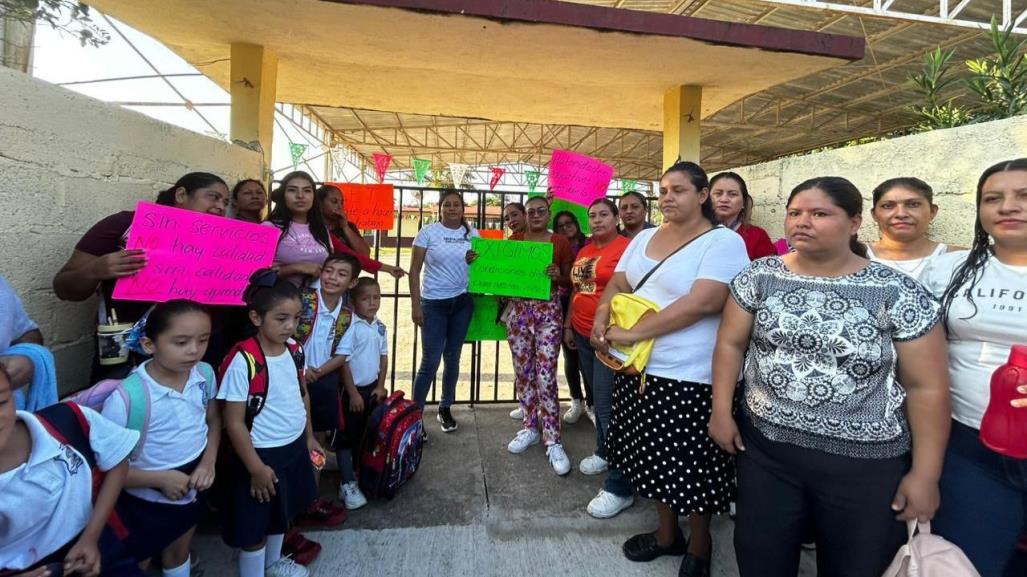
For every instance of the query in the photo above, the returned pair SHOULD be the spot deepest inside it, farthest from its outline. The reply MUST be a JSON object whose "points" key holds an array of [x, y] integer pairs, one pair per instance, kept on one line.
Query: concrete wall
{"points": [[950, 161], [67, 161]]}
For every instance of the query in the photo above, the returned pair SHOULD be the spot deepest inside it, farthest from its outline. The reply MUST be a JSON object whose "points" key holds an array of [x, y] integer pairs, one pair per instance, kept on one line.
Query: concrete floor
{"points": [[474, 509]]}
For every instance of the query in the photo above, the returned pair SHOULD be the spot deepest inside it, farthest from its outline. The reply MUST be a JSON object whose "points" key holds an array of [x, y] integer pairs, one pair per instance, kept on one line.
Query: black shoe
{"points": [[447, 420], [692, 566], [643, 547]]}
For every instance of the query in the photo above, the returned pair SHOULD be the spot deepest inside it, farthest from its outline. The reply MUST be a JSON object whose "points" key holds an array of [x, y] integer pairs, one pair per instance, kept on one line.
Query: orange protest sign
{"points": [[368, 206], [491, 233]]}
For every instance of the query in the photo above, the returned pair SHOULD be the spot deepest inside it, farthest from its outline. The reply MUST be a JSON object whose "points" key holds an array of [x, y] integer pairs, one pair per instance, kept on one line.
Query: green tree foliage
{"points": [[66, 16]]}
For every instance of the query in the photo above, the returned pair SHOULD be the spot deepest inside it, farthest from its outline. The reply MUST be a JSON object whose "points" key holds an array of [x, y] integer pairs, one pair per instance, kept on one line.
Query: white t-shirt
{"points": [[283, 417], [718, 255], [980, 344], [318, 348], [177, 431], [47, 501], [445, 270], [913, 267], [364, 344]]}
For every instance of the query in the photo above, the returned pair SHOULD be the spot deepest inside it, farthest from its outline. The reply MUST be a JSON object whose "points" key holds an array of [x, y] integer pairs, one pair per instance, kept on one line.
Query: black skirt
{"points": [[659, 440], [153, 526]]}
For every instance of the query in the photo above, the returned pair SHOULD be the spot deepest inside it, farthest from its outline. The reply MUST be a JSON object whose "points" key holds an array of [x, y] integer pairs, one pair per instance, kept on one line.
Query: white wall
{"points": [[66, 162], [950, 161]]}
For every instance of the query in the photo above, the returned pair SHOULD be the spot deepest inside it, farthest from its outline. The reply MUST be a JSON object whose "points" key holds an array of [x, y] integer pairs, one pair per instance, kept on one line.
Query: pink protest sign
{"points": [[193, 255], [578, 178]]}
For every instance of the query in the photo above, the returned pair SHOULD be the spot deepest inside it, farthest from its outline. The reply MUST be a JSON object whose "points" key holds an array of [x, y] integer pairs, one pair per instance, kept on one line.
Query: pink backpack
{"points": [[927, 555]]}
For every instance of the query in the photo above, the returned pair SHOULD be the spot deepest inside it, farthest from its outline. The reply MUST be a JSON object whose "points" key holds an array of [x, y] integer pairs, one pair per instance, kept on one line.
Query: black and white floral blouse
{"points": [[820, 369]]}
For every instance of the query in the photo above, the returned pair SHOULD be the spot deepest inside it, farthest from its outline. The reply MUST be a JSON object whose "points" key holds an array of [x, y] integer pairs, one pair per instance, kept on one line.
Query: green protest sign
{"points": [[580, 212], [512, 268], [483, 324]]}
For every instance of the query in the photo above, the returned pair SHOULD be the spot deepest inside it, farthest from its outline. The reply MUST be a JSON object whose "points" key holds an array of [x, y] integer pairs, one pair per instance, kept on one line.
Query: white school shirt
{"points": [[47, 500], [283, 417], [718, 255], [318, 348], [981, 344], [364, 344], [913, 267], [445, 268], [177, 431]]}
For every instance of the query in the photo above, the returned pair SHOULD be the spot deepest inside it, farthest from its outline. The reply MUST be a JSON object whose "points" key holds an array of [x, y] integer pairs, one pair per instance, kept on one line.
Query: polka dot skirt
{"points": [[660, 441]]}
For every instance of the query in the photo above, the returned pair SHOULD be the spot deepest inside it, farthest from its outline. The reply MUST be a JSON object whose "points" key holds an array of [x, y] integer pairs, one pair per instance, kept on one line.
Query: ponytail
{"points": [[857, 247]]}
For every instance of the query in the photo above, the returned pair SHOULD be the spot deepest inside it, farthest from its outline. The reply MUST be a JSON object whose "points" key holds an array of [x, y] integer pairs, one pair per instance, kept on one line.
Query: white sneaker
{"points": [[351, 496], [574, 413], [558, 459], [517, 414], [591, 412], [593, 465], [606, 505], [524, 439], [286, 567]]}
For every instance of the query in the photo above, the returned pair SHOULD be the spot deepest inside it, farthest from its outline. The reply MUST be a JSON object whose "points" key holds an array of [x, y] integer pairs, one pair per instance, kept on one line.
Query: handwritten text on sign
{"points": [[368, 206], [193, 255], [578, 178], [512, 268]]}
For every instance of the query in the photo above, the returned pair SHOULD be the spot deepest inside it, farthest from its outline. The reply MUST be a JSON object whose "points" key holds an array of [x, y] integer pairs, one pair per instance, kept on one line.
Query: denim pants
{"points": [[600, 377], [442, 338], [983, 502]]}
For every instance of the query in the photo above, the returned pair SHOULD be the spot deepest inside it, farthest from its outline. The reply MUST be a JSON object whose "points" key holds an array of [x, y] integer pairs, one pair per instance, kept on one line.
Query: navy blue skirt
{"points": [[154, 526], [246, 521]]}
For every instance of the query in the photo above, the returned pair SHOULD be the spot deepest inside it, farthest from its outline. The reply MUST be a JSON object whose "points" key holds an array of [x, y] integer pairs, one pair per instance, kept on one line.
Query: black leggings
{"points": [[571, 366]]}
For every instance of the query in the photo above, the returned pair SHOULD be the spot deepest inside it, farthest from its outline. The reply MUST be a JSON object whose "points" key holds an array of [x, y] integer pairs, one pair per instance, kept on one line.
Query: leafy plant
{"points": [[934, 79], [1000, 81], [68, 16]]}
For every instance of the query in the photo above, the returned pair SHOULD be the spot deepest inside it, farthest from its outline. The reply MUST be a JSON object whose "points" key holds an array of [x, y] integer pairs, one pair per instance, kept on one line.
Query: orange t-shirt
{"points": [[562, 253], [593, 268]]}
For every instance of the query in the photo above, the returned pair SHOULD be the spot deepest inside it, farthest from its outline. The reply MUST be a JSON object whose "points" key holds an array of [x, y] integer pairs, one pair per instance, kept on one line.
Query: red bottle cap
{"points": [[1018, 356]]}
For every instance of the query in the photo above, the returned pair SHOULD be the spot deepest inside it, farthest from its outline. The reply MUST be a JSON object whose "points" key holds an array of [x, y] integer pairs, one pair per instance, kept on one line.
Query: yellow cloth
{"points": [[626, 310]]}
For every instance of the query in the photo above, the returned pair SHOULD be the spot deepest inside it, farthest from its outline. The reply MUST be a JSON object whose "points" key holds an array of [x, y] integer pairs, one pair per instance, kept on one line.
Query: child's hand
{"points": [[83, 559], [312, 374], [203, 477], [356, 403], [262, 484], [379, 394], [174, 484]]}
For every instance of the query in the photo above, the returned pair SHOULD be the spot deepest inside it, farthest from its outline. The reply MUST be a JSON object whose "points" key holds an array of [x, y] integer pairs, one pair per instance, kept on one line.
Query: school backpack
{"points": [[309, 304], [135, 393], [68, 425], [928, 555], [391, 451], [256, 366]]}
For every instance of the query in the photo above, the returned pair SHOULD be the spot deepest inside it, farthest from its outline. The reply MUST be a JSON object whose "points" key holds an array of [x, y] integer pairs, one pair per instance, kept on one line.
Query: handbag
{"points": [[929, 555]]}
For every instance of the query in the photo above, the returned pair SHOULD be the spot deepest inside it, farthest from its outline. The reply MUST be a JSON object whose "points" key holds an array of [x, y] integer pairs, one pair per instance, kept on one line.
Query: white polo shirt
{"points": [[364, 345], [283, 417], [177, 432], [318, 348], [47, 500]]}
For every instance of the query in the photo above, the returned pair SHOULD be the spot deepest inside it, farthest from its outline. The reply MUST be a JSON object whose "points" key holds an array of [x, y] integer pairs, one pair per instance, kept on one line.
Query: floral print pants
{"points": [[534, 332]]}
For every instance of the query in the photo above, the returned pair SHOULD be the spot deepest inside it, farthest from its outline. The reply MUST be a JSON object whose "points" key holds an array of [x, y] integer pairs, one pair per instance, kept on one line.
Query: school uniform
{"points": [[176, 438], [278, 435], [326, 324], [47, 501], [364, 345]]}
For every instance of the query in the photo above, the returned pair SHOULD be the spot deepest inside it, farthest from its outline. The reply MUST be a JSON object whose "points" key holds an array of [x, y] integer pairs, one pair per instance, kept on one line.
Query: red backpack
{"points": [[391, 451], [256, 365]]}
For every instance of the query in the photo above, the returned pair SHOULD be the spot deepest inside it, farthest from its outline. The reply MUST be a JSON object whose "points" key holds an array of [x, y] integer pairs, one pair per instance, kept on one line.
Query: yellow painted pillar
{"points": [[682, 107], [253, 89]]}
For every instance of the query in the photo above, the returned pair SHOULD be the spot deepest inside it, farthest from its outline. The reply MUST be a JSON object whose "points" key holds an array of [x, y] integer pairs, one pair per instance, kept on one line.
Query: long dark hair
{"points": [[281, 216], [191, 183], [697, 176], [969, 273], [610, 205], [463, 220], [238, 187], [844, 195], [579, 238], [159, 319], [746, 214], [910, 182]]}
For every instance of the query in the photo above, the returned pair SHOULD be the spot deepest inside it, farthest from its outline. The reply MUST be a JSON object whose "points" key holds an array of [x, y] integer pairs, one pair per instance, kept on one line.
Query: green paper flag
{"points": [[531, 177], [627, 185], [512, 268], [296, 151], [580, 212], [422, 167], [483, 323]]}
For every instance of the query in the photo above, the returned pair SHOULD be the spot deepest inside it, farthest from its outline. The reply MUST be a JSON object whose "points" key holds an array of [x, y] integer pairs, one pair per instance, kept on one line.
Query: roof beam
{"points": [[883, 9]]}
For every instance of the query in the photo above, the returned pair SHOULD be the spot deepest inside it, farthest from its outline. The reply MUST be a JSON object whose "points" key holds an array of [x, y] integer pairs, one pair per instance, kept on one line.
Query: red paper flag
{"points": [[381, 164], [497, 173]]}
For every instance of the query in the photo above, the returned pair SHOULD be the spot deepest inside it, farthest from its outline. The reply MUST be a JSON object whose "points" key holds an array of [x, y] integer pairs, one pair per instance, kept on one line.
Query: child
{"points": [[267, 417], [51, 520], [363, 355], [180, 445]]}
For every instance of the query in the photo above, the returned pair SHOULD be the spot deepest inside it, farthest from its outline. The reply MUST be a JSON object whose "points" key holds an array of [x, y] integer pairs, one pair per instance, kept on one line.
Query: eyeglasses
{"points": [[538, 211], [565, 224]]}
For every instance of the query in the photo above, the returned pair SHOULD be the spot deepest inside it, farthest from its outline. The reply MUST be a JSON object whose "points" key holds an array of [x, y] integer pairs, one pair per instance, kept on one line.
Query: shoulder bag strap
{"points": [[659, 264]]}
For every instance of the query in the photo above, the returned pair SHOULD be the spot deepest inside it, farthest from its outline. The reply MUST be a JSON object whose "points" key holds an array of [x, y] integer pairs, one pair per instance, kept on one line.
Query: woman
{"points": [[835, 344], [903, 210], [984, 494], [733, 206], [566, 223], [534, 336], [592, 270], [329, 198], [305, 242], [100, 257], [634, 211], [441, 305], [516, 221], [657, 431], [249, 197]]}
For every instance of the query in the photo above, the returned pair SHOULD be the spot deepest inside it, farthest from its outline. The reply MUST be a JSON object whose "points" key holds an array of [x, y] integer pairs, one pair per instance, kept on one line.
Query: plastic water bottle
{"points": [[1004, 427]]}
